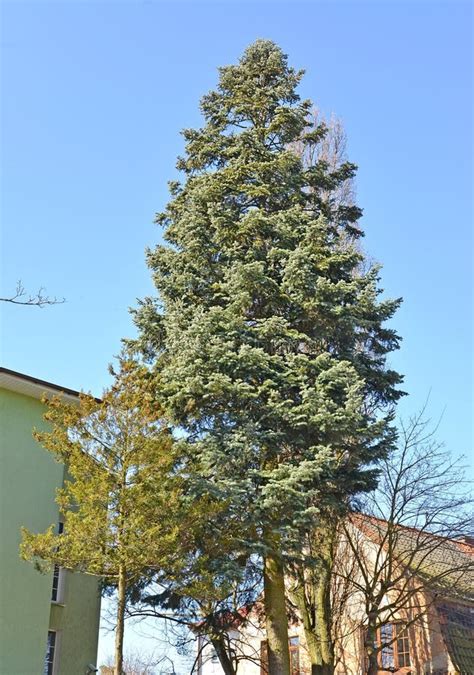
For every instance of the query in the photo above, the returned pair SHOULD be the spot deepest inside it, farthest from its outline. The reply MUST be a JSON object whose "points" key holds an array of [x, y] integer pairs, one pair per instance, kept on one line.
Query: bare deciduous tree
{"points": [[138, 663], [332, 150], [404, 551], [328, 157], [392, 558], [216, 622]]}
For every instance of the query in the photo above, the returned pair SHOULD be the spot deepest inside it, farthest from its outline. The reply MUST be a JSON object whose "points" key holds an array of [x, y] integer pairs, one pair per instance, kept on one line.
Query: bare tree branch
{"points": [[22, 297], [406, 541]]}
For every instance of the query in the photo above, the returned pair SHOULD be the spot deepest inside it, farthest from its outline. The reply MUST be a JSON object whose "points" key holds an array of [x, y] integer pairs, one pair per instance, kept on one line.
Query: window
{"points": [[387, 657], [58, 577], [395, 654], [402, 646], [294, 647], [50, 651], [55, 591]]}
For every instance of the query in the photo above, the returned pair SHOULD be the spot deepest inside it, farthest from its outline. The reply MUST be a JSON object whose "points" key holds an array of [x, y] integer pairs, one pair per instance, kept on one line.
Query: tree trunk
{"points": [[306, 610], [224, 657], [323, 620], [122, 586], [316, 614], [275, 609], [314, 653], [321, 669], [371, 652], [372, 668]]}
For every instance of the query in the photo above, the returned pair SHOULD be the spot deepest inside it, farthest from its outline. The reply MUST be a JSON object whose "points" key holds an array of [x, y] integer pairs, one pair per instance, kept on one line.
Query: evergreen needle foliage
{"points": [[124, 504], [269, 331]]}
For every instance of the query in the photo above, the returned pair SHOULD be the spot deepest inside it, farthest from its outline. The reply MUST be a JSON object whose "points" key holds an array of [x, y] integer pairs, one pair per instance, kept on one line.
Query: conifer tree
{"points": [[268, 333], [123, 504]]}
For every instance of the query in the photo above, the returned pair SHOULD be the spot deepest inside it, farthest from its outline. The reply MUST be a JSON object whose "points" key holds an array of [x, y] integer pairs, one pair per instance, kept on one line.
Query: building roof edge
{"points": [[32, 386]]}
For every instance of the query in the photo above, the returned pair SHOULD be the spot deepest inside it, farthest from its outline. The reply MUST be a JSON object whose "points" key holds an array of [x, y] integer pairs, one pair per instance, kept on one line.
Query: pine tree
{"points": [[123, 504], [268, 333]]}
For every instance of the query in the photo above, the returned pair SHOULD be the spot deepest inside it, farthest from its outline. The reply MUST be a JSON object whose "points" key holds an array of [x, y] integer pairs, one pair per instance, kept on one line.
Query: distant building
{"points": [[440, 643], [49, 624]]}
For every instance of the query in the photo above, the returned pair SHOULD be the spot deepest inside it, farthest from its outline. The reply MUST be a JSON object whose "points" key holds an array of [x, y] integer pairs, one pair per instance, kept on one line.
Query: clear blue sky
{"points": [[93, 97]]}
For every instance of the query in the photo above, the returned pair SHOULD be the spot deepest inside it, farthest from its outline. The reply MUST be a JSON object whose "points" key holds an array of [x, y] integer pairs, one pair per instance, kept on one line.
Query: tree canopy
{"points": [[268, 335], [125, 503], [268, 330]]}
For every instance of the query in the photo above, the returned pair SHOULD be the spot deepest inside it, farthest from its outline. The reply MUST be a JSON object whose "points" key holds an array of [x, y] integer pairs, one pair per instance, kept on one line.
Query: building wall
{"points": [[77, 623], [428, 652], [247, 645], [29, 477]]}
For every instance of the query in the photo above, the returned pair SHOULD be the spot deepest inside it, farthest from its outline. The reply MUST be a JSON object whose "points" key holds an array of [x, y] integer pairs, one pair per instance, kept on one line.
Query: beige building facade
{"points": [[431, 635]]}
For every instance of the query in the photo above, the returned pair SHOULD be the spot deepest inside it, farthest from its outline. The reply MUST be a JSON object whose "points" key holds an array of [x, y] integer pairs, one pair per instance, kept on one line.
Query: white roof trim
{"points": [[32, 386]]}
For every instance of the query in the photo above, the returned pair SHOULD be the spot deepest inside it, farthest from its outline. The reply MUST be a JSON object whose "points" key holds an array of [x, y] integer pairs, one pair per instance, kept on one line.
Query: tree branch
{"points": [[21, 297]]}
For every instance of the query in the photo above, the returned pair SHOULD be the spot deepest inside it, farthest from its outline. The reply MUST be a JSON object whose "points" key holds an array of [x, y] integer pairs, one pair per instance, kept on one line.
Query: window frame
{"points": [[294, 648], [59, 576], [399, 633], [52, 667]]}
